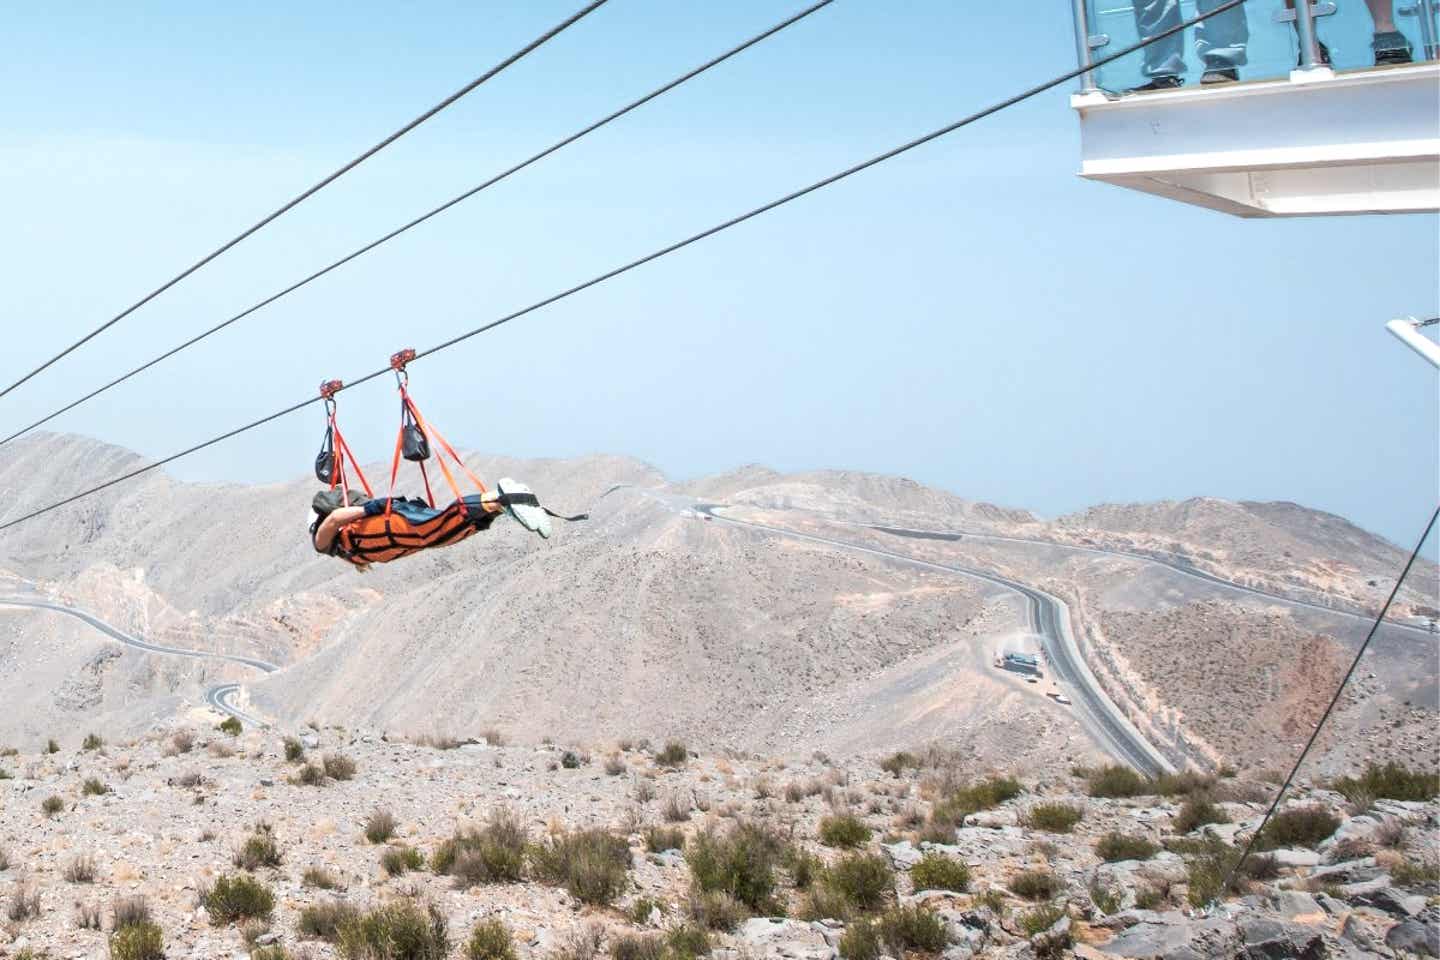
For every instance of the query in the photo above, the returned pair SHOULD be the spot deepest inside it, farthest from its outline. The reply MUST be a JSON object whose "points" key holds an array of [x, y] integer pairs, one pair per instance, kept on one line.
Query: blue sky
{"points": [[972, 315]]}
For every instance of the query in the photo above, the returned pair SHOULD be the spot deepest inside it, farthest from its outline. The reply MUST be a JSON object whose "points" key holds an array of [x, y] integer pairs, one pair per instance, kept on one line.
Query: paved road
{"points": [[1174, 565], [1050, 618], [217, 696]]}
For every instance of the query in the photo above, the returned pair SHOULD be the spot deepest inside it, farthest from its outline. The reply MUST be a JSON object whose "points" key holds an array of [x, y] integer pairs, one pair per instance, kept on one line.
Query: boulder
{"points": [[1051, 941], [779, 937], [1296, 858], [1297, 906], [1414, 936], [1392, 901], [1178, 939], [1266, 939], [903, 855]]}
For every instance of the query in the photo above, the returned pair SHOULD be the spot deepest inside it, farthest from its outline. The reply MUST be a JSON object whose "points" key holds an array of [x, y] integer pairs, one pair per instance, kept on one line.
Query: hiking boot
{"points": [[1220, 75], [1392, 47], [1158, 83]]}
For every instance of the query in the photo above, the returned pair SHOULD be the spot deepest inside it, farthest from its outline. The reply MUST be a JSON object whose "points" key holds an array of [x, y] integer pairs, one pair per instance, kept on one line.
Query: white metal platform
{"points": [[1318, 143]]}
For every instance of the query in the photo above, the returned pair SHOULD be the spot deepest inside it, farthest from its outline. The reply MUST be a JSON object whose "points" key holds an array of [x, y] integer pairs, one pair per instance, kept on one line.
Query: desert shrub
{"points": [[614, 766], [92, 741], [805, 867], [740, 862], [1114, 847], [294, 750], [861, 941], [230, 726], [252, 930], [309, 776], [1408, 873], [143, 941], [570, 760], [380, 826], [320, 878], [1148, 899], [716, 910], [1054, 817], [94, 787], [843, 830], [938, 872], [664, 838], [323, 921], [494, 853], [88, 916], [897, 763], [52, 805], [951, 812], [794, 791], [1116, 781], [1034, 885], [675, 754], [221, 749], [687, 942], [1298, 826], [337, 766], [400, 930], [1106, 900], [494, 737], [1389, 782], [1186, 783], [182, 741], [1041, 918], [398, 861], [190, 779], [273, 952], [592, 865], [638, 946], [258, 850], [490, 940], [676, 807], [864, 880], [912, 929], [80, 869], [51, 746], [641, 909], [236, 898], [4, 859], [1197, 811], [129, 912], [825, 903], [5, 774], [23, 904]]}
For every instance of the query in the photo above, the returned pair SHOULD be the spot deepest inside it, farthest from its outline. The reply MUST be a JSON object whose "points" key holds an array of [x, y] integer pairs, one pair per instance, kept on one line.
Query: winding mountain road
{"points": [[217, 696]]}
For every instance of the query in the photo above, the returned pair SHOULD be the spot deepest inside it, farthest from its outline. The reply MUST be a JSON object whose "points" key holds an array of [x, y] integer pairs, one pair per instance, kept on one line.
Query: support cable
{"points": [[633, 105], [1374, 628], [664, 251], [448, 101]]}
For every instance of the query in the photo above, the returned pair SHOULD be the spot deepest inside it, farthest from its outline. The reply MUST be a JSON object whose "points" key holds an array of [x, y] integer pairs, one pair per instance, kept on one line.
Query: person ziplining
{"points": [[362, 530]]}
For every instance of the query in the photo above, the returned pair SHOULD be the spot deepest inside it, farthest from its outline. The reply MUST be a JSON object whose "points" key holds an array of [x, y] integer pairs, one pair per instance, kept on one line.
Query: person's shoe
{"points": [[1158, 83], [523, 505], [1324, 55], [1392, 47], [1220, 75]]}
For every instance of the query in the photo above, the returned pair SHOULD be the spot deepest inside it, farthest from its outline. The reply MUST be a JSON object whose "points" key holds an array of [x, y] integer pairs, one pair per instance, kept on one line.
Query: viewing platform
{"points": [[1242, 115]]}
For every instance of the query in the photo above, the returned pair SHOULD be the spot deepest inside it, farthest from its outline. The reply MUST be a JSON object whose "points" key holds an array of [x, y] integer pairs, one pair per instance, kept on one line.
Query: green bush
{"points": [[94, 787], [675, 754], [687, 942], [913, 929], [570, 760], [398, 861], [294, 750], [338, 766], [380, 826], [1114, 847], [740, 863], [715, 910], [1041, 918], [1298, 827], [1181, 784], [51, 746], [324, 920], [400, 930], [864, 880], [938, 872], [1054, 817], [1412, 875], [1116, 781], [258, 850], [52, 805], [951, 812], [1197, 811], [826, 903], [897, 763], [658, 839], [1390, 782], [319, 878], [490, 940], [592, 865], [237, 898], [843, 830], [804, 866], [638, 946], [495, 853], [1034, 884], [309, 776], [143, 941], [93, 741], [861, 941], [230, 726]]}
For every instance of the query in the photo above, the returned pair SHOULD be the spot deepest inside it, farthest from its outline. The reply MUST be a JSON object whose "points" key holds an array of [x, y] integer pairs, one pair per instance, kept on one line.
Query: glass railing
{"points": [[1256, 41]]}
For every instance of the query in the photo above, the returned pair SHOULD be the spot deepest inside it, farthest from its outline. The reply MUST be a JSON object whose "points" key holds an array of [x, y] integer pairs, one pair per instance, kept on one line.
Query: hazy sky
{"points": [[972, 315]]}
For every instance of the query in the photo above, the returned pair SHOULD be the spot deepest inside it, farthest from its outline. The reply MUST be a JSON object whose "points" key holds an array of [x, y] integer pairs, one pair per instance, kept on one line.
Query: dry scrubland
{"points": [[206, 843]]}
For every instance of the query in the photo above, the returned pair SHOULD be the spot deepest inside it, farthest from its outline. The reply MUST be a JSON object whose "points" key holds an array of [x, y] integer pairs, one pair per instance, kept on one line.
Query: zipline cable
{"points": [[1320, 724], [311, 191], [819, 184], [633, 105]]}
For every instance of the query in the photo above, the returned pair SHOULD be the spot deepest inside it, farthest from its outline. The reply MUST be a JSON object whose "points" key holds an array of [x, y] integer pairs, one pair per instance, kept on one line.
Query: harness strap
{"points": [[530, 500]]}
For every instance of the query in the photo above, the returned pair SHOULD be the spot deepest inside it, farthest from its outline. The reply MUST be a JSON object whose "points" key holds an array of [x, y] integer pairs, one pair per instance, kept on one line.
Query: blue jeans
{"points": [[1220, 41]]}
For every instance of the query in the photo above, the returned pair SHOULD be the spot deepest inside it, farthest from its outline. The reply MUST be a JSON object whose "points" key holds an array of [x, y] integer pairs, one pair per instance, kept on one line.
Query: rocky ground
{"points": [[165, 816]]}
